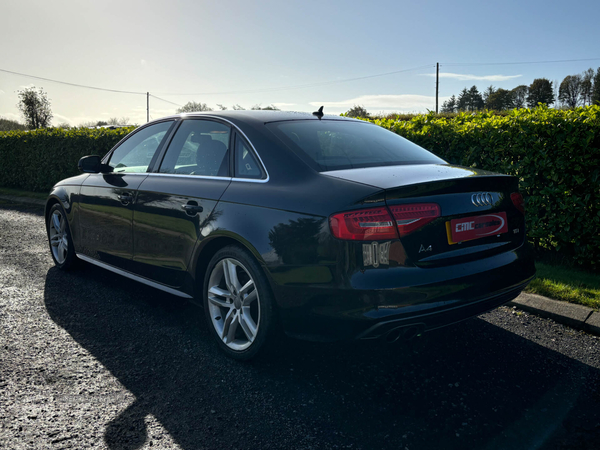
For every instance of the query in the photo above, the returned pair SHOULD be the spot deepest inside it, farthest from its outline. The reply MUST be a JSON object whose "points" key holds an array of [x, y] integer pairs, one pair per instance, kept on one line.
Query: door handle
{"points": [[125, 197], [192, 208]]}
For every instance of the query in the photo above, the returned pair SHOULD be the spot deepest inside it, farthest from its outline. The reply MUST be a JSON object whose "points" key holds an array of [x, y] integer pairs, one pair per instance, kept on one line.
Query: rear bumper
{"points": [[438, 319], [368, 304]]}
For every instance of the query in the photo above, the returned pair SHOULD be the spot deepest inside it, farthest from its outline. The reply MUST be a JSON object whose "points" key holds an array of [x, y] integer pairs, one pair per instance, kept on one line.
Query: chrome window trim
{"points": [[206, 177], [185, 175], [132, 276], [125, 173], [249, 180]]}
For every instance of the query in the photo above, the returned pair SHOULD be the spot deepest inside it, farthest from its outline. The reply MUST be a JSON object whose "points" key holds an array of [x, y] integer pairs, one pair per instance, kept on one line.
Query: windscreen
{"points": [[334, 145]]}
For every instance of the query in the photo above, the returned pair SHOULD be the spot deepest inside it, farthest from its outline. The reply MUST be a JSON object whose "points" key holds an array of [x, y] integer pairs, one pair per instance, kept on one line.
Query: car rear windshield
{"points": [[334, 145]]}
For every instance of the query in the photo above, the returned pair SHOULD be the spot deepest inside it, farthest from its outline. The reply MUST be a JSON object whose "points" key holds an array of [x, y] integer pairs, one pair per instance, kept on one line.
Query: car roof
{"points": [[262, 116]]}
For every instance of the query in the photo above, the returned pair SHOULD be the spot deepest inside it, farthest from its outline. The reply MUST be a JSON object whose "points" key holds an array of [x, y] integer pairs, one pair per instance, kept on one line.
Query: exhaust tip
{"points": [[393, 336], [404, 334]]}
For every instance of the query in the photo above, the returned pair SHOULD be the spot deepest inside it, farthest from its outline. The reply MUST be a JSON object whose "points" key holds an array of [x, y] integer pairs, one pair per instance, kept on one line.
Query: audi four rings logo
{"points": [[482, 199]]}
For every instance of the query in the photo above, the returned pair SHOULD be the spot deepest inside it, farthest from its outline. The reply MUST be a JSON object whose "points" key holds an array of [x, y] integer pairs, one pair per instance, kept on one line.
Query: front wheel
{"points": [[238, 303], [59, 237]]}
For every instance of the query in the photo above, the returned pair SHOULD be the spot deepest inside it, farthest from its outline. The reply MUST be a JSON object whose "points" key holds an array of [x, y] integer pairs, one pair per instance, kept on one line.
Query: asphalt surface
{"points": [[92, 360]]}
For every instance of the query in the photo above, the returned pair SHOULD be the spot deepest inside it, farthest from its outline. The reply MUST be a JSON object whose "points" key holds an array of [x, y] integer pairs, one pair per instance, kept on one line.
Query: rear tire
{"points": [[238, 304], [59, 238]]}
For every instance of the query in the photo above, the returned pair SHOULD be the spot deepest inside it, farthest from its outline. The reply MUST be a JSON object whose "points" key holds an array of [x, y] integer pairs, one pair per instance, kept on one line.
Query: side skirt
{"points": [[133, 276]]}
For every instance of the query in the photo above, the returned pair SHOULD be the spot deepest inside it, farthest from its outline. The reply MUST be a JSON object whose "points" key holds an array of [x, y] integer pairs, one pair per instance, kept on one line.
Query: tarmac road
{"points": [[92, 360]]}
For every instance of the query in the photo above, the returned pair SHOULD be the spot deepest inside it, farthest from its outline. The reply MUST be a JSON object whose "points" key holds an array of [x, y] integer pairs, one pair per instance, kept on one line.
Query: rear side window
{"points": [[135, 154], [335, 145], [246, 164], [199, 147]]}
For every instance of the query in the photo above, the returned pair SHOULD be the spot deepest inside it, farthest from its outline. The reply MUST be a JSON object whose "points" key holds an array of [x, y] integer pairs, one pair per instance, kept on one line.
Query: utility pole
{"points": [[437, 85], [148, 106]]}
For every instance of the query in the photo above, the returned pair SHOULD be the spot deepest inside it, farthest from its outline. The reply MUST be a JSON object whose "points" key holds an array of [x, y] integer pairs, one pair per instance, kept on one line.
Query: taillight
{"points": [[371, 224], [411, 217], [518, 201]]}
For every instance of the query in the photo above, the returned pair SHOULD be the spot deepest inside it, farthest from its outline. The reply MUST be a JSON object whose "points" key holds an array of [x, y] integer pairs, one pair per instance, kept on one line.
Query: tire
{"points": [[59, 238], [238, 304]]}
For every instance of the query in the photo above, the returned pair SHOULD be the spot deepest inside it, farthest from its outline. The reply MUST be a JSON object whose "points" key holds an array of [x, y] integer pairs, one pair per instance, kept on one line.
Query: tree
{"points": [[470, 100], [357, 111], [450, 105], [570, 91], [500, 100], [519, 96], [596, 89], [257, 107], [463, 99], [221, 107], [237, 107], [117, 121], [540, 91], [486, 94], [35, 107], [193, 107], [10, 125], [587, 85]]}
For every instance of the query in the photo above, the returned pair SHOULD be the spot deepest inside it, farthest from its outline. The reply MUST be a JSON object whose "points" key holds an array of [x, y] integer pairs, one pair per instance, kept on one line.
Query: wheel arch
{"points": [[208, 247]]}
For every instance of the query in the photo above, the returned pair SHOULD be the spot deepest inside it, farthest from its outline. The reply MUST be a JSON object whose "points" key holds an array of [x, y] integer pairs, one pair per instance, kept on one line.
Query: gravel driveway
{"points": [[92, 360]]}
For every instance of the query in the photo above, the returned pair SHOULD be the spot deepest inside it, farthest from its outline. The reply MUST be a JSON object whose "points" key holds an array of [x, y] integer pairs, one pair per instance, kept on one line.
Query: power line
{"points": [[301, 86], [167, 101], [246, 91], [72, 84], [520, 63]]}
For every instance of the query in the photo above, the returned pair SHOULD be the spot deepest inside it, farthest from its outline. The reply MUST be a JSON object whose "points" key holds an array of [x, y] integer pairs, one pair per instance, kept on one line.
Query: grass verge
{"points": [[567, 284]]}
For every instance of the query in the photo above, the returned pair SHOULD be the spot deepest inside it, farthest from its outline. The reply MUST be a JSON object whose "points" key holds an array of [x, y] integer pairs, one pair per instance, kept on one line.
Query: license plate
{"points": [[475, 227]]}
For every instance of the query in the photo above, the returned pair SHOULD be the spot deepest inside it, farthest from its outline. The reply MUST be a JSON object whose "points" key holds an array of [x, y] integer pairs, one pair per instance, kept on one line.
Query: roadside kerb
{"points": [[575, 316]]}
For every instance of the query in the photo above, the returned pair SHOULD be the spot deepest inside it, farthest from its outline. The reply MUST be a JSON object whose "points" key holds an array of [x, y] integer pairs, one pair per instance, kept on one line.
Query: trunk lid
{"points": [[477, 216]]}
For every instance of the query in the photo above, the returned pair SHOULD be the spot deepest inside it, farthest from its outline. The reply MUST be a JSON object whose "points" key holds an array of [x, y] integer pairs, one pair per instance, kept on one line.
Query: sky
{"points": [[297, 55]]}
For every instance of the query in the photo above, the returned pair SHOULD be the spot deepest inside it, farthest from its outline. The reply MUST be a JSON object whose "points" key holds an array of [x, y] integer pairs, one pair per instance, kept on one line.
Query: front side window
{"points": [[246, 165], [199, 147], [336, 144], [135, 154]]}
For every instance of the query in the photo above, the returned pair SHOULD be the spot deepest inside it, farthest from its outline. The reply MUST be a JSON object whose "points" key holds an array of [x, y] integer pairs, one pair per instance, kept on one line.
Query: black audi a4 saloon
{"points": [[324, 227]]}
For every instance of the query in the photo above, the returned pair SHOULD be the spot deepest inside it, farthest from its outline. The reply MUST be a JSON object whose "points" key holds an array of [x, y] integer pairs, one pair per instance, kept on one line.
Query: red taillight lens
{"points": [[413, 216], [518, 201], [371, 224]]}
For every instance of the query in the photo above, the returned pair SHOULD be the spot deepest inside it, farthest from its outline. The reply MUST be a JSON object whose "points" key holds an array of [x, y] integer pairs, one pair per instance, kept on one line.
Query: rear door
{"points": [[107, 199], [176, 203]]}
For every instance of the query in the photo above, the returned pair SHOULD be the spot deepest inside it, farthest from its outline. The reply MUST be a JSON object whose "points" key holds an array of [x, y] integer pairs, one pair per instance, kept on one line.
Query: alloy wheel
{"points": [[234, 304], [59, 240]]}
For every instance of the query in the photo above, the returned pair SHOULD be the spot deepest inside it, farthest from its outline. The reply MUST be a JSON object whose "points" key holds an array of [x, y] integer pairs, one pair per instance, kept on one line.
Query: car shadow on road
{"points": [[473, 385]]}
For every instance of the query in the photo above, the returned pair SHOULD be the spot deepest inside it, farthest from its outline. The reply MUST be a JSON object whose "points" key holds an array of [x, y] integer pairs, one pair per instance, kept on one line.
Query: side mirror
{"points": [[92, 164]]}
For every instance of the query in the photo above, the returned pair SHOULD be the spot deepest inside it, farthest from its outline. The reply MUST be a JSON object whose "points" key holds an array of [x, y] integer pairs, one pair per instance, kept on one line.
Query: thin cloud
{"points": [[393, 102], [469, 77], [2, 92], [281, 105], [11, 116]]}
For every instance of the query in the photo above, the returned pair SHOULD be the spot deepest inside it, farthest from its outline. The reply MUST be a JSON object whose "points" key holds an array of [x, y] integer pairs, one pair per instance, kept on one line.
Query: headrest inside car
{"points": [[200, 138]]}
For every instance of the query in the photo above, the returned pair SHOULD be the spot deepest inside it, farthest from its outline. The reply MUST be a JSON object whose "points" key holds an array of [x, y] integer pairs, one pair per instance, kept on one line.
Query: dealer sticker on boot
{"points": [[475, 227]]}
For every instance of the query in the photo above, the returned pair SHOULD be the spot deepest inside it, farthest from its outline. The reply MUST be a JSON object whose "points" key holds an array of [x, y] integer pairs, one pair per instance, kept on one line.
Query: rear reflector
{"points": [[413, 216], [371, 224], [518, 201]]}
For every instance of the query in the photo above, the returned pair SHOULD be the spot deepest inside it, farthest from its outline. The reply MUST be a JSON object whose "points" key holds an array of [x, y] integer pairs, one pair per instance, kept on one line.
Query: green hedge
{"points": [[36, 160], [555, 154]]}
